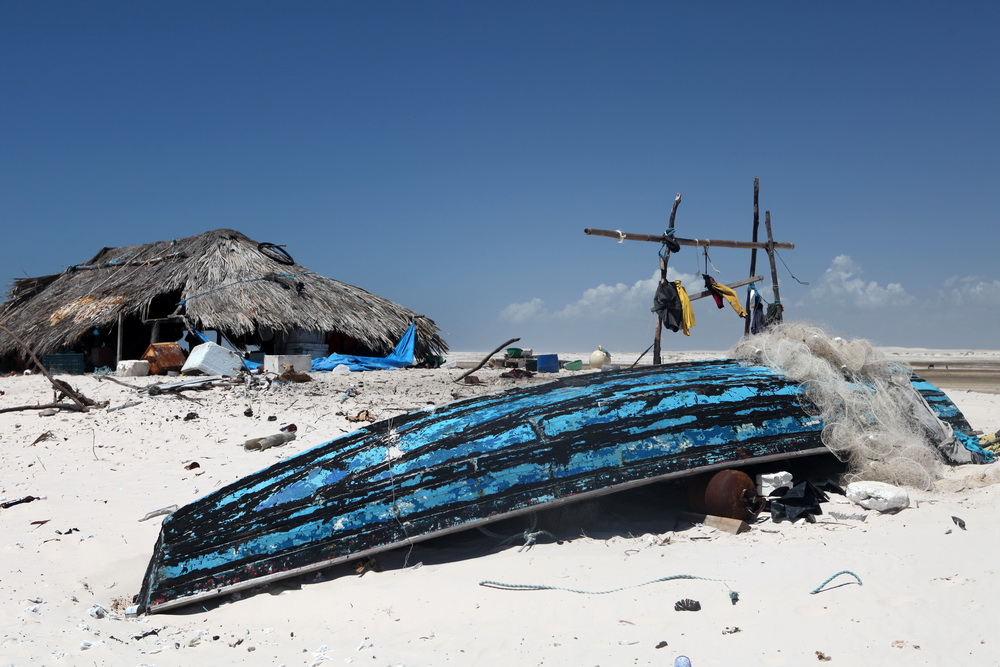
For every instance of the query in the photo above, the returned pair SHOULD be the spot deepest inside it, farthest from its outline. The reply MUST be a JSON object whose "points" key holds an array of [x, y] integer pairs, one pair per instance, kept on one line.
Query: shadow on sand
{"points": [[630, 513]]}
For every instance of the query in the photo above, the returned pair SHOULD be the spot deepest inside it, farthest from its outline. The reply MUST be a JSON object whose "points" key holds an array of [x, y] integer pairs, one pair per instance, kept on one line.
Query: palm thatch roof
{"points": [[218, 280]]}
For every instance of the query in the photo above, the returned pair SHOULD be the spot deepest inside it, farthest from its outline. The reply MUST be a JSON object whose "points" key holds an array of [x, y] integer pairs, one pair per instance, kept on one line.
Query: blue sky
{"points": [[448, 155]]}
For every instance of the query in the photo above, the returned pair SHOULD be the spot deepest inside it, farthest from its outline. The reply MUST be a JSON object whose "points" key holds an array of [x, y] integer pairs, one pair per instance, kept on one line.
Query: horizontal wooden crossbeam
{"points": [[734, 285], [652, 238]]}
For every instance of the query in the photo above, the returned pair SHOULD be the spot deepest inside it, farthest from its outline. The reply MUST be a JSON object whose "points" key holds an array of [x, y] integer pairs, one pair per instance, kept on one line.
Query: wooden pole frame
{"points": [[753, 251], [715, 243], [664, 261], [774, 268], [769, 246]]}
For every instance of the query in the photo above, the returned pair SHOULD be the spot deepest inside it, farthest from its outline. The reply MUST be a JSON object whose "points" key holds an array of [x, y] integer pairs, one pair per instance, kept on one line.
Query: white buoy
{"points": [[599, 357]]}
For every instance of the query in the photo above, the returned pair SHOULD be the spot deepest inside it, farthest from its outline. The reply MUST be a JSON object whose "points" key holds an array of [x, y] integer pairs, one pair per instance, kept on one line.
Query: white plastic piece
{"points": [[213, 359], [878, 496]]}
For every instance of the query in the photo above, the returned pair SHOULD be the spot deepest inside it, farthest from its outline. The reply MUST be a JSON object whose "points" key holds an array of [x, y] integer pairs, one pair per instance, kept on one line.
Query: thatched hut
{"points": [[113, 306]]}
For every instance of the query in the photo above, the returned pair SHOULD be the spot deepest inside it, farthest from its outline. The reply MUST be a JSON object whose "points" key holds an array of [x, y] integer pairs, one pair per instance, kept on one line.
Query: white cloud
{"points": [[619, 314], [971, 290], [601, 303], [604, 301], [522, 312], [842, 283]]}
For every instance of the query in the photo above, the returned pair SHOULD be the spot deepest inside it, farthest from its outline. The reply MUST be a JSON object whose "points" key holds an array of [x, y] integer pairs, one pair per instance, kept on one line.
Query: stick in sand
{"points": [[45, 406], [488, 356]]}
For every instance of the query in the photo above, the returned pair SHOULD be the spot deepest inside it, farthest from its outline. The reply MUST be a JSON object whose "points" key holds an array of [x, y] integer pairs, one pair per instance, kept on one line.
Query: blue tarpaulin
{"points": [[401, 357]]}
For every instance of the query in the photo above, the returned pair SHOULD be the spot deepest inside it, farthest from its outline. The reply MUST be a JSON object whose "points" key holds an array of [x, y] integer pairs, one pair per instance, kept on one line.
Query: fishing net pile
{"points": [[873, 418]]}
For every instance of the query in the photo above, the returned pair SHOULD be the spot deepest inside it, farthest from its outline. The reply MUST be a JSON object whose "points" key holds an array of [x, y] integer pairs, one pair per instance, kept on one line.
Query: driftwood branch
{"points": [[483, 362], [127, 404], [180, 385], [102, 378], [59, 385], [58, 406]]}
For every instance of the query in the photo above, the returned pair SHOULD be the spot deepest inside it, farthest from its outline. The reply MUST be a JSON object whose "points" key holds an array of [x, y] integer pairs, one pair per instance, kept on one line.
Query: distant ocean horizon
{"points": [[625, 357], [618, 357]]}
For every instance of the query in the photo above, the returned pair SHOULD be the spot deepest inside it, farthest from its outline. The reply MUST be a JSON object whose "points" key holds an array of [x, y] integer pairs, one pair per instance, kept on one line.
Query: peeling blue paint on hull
{"points": [[459, 465]]}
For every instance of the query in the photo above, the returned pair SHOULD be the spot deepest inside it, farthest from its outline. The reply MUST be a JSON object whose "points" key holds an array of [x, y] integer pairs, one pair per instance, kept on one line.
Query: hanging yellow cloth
{"points": [[727, 293], [687, 312]]}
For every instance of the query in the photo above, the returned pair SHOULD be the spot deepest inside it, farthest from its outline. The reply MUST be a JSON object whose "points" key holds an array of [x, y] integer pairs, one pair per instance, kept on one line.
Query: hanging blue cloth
{"points": [[401, 357]]}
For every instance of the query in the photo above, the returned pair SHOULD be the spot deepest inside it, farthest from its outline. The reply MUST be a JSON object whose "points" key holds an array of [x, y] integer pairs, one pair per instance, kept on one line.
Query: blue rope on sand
{"points": [[543, 587], [733, 595], [820, 587]]}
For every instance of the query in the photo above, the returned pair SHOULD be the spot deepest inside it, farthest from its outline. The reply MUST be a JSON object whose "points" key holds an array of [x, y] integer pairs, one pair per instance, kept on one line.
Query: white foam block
{"points": [[776, 480], [132, 368], [213, 359], [274, 363]]}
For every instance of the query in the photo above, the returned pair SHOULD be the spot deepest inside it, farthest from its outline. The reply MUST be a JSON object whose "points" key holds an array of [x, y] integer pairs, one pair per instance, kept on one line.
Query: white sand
{"points": [[929, 593]]}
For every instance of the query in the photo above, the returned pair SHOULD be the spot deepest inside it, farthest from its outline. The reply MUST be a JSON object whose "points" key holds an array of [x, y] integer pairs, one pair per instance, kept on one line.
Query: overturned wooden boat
{"points": [[467, 463]]}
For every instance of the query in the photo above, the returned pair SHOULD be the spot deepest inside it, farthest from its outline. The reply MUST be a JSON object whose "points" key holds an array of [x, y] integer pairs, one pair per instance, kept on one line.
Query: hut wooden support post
{"points": [[664, 261], [119, 341]]}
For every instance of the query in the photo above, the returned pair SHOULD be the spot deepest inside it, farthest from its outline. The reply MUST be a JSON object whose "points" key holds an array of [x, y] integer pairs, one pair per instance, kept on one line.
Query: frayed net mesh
{"points": [[867, 404]]}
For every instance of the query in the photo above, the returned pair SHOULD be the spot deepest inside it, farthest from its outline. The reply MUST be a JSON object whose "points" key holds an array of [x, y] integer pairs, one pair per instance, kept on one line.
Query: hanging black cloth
{"points": [[667, 306]]}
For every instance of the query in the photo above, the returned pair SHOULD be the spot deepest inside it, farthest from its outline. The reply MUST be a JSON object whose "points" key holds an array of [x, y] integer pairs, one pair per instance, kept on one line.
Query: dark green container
{"points": [[64, 362]]}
